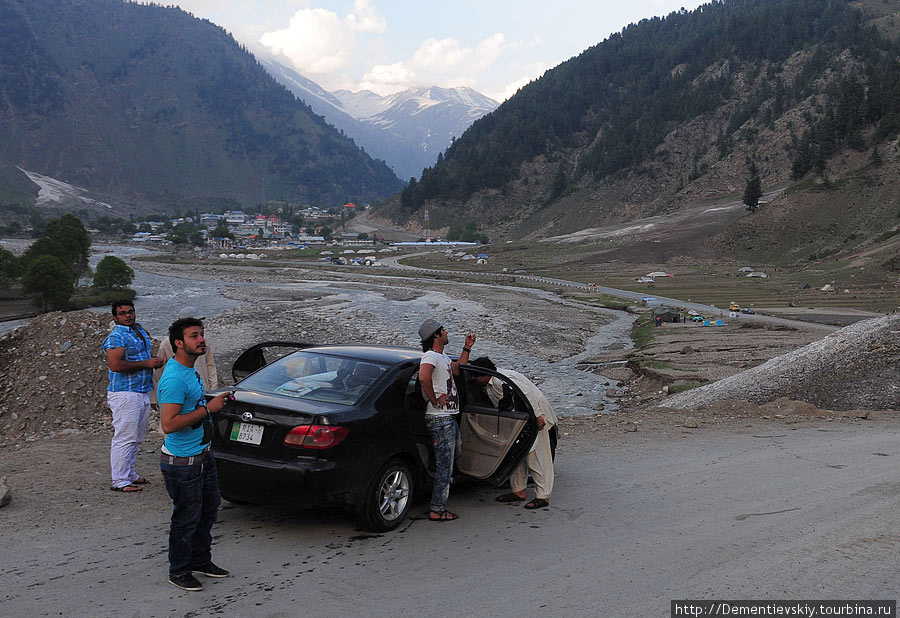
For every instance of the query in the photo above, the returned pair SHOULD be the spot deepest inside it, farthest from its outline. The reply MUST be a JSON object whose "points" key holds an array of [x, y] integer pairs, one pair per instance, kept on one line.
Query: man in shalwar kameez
{"points": [[539, 461]]}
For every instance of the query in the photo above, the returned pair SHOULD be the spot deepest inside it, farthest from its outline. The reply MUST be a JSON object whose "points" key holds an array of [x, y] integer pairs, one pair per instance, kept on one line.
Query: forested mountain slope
{"points": [[148, 102], [675, 109]]}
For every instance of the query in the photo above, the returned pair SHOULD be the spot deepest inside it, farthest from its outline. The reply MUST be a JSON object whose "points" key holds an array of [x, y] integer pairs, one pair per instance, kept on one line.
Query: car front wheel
{"points": [[388, 499]]}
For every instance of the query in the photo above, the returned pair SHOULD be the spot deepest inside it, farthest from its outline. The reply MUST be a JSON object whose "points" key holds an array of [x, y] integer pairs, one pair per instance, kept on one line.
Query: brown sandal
{"points": [[537, 503], [509, 498], [442, 516], [128, 489]]}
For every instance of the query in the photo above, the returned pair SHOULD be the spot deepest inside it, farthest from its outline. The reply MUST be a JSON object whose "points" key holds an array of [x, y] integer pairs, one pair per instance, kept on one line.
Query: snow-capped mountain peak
{"points": [[407, 129]]}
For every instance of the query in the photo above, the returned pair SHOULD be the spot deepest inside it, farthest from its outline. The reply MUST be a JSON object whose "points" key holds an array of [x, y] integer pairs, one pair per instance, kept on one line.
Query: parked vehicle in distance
{"points": [[697, 318], [344, 425], [748, 310], [734, 306]]}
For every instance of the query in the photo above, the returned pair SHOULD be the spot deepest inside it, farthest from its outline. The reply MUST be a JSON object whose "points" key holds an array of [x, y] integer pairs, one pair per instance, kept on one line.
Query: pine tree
{"points": [[753, 190]]}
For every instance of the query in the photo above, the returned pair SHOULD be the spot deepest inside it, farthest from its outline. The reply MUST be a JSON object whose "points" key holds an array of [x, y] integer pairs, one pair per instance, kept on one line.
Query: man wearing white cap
{"points": [[206, 369]]}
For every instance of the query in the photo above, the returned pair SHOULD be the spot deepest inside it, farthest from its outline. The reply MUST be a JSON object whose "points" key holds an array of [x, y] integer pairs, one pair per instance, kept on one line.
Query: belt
{"points": [[172, 460], [438, 417]]}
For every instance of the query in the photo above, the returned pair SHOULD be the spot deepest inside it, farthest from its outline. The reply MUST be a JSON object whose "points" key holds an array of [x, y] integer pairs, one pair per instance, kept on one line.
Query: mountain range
{"points": [[407, 129], [679, 109], [148, 108]]}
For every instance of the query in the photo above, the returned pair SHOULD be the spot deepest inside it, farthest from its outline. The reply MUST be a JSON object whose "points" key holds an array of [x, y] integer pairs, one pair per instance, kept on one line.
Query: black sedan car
{"points": [[344, 425]]}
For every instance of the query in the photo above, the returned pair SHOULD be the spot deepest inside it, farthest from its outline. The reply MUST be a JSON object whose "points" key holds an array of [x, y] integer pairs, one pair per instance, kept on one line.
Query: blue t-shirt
{"points": [[182, 385], [137, 348]]}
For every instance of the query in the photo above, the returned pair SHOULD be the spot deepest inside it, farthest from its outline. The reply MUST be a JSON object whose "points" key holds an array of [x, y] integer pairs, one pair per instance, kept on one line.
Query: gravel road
{"points": [[767, 510]]}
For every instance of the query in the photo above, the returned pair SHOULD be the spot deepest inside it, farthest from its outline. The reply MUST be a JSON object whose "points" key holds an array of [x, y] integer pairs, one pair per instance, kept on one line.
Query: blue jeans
{"points": [[445, 432], [194, 491]]}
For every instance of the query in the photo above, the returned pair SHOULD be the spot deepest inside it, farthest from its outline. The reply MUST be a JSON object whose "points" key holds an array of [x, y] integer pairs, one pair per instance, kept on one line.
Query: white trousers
{"points": [[540, 463], [130, 414]]}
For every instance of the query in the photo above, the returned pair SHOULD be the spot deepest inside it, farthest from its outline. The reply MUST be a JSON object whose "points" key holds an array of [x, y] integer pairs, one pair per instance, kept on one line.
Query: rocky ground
{"points": [[53, 374]]}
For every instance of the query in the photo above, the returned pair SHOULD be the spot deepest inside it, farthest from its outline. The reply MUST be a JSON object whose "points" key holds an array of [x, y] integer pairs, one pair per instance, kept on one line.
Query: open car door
{"points": [[260, 355], [495, 437]]}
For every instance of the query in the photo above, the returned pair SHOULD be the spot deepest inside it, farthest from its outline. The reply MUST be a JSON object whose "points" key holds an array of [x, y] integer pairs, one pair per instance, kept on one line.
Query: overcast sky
{"points": [[493, 46]]}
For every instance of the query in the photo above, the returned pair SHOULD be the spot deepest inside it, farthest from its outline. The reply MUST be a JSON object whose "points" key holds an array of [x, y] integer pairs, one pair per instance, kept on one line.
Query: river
{"points": [[572, 391]]}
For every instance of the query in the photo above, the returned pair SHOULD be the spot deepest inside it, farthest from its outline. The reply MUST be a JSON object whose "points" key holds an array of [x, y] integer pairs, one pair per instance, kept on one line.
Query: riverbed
{"points": [[532, 331]]}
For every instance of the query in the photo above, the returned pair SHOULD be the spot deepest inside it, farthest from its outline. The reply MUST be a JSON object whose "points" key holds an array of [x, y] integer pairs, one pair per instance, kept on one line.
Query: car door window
{"points": [[497, 425]]}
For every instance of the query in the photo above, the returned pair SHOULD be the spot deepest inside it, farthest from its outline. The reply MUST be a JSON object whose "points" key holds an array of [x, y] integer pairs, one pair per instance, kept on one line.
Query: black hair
{"points": [[484, 362], [176, 330], [122, 302], [428, 343]]}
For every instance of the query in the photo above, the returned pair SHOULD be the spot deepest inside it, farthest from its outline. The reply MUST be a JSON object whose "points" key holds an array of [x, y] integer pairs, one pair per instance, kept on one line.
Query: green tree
{"points": [[221, 230], [9, 268], [326, 232], [50, 281], [65, 239], [113, 272], [753, 190], [186, 233]]}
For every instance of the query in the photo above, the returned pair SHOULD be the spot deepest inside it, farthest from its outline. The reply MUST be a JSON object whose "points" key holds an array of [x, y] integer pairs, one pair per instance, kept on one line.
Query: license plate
{"points": [[247, 432]]}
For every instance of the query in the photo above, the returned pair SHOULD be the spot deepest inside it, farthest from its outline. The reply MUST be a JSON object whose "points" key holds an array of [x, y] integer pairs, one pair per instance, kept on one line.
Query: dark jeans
{"points": [[445, 432], [195, 494]]}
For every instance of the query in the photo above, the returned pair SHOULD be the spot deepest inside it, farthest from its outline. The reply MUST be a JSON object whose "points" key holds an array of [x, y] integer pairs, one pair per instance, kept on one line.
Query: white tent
{"points": [[745, 269], [658, 274], [758, 273]]}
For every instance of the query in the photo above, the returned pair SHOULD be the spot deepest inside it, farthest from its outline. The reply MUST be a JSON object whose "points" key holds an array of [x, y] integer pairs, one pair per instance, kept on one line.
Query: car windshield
{"points": [[316, 377]]}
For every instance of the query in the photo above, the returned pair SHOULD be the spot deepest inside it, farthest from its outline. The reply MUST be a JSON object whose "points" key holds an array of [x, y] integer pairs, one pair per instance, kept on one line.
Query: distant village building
{"points": [[210, 220], [235, 217], [349, 239], [666, 314], [313, 212], [308, 239]]}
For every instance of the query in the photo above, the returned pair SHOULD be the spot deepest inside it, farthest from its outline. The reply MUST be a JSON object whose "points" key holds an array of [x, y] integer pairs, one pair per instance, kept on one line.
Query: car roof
{"points": [[377, 353]]}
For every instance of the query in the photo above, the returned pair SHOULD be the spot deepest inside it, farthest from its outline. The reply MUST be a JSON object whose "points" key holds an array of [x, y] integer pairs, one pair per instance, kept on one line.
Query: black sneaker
{"points": [[186, 581], [210, 570]]}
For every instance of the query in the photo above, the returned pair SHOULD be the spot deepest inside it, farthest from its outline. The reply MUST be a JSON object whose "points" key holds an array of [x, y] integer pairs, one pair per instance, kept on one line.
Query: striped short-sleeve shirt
{"points": [[137, 348]]}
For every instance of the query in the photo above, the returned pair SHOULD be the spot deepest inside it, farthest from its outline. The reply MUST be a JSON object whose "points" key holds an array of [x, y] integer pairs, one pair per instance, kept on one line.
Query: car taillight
{"points": [[315, 436]]}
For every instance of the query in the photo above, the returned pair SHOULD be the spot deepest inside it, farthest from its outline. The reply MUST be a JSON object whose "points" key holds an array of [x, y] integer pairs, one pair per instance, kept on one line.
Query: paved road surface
{"points": [[761, 513]]}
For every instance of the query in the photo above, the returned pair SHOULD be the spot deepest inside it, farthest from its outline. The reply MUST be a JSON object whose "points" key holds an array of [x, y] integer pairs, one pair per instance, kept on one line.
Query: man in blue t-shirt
{"points": [[186, 462], [131, 368]]}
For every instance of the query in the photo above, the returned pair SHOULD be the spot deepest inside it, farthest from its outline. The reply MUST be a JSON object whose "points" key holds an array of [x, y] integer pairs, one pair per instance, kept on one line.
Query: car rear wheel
{"points": [[388, 498]]}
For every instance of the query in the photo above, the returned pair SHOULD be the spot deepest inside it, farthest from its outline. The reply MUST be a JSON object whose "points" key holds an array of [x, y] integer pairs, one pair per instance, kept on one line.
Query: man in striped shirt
{"points": [[131, 368]]}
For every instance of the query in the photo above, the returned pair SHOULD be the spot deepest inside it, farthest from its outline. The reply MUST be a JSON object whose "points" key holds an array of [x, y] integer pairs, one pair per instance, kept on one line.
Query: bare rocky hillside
{"points": [[858, 367]]}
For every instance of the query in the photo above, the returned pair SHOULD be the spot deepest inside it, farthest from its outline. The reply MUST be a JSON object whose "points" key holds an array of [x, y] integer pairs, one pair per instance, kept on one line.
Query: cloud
{"points": [[316, 41], [387, 78], [320, 43], [438, 61], [365, 18]]}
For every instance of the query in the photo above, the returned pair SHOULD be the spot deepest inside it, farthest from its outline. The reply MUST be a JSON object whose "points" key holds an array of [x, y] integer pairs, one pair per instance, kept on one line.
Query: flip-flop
{"points": [[537, 503], [442, 516], [140, 481], [128, 489], [509, 498]]}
